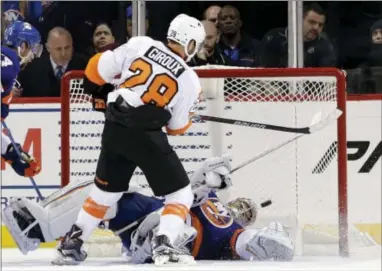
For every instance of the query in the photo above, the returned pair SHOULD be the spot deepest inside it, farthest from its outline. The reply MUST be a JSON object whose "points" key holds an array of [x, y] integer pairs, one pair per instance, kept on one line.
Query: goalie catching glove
{"points": [[212, 175], [25, 165]]}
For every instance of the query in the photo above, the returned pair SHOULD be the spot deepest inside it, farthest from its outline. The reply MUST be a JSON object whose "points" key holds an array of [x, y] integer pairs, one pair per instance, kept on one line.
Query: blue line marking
{"points": [[29, 187]]}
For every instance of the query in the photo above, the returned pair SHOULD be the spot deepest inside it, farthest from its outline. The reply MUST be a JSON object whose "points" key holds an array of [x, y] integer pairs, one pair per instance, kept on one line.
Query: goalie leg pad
{"points": [[141, 239], [18, 222], [52, 217]]}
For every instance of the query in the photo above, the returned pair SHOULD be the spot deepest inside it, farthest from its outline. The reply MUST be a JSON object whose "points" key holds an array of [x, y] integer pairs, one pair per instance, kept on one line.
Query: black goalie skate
{"points": [[164, 252], [69, 250]]}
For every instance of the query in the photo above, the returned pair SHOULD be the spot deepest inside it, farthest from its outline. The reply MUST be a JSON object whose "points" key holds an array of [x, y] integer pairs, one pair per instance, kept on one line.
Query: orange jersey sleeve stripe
{"points": [[179, 131], [91, 70], [195, 222], [7, 99], [95, 209], [175, 209], [232, 243]]}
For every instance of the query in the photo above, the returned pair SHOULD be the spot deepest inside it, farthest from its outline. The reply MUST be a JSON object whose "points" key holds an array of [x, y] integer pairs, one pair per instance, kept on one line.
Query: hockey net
{"points": [[306, 179]]}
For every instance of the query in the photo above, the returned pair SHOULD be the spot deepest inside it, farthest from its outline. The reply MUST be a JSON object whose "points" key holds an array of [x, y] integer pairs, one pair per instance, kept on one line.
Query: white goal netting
{"points": [[303, 179]]}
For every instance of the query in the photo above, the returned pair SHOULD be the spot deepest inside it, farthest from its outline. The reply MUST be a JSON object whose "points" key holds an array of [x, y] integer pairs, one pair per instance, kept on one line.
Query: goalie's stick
{"points": [[137, 222], [304, 130], [21, 157], [314, 127]]}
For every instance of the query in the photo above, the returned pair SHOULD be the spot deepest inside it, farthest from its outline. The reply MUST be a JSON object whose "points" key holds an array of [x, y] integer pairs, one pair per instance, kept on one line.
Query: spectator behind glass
{"points": [[238, 46], [376, 44], [210, 52], [103, 38], [368, 78], [24, 10], [211, 14], [42, 77], [35, 9], [129, 15], [13, 11], [318, 51]]}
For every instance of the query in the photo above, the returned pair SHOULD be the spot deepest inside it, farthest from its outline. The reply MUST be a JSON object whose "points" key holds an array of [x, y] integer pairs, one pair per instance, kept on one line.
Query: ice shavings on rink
{"points": [[12, 259]]}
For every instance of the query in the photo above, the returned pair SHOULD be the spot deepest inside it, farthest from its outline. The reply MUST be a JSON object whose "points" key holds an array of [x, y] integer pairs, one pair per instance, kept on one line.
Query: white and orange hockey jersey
{"points": [[149, 73]]}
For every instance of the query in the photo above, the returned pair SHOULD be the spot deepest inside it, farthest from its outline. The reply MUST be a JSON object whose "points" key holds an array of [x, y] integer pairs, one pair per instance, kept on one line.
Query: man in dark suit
{"points": [[318, 50], [235, 43], [42, 77]]}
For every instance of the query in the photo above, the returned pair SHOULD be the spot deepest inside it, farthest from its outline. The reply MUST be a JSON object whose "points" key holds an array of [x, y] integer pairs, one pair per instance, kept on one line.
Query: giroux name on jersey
{"points": [[165, 60]]}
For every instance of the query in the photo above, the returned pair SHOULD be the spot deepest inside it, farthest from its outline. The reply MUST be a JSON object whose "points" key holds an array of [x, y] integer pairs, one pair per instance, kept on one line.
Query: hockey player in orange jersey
{"points": [[156, 89]]}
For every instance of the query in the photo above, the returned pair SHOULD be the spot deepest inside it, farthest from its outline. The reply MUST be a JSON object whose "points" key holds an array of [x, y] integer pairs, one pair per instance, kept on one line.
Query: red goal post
{"points": [[240, 93]]}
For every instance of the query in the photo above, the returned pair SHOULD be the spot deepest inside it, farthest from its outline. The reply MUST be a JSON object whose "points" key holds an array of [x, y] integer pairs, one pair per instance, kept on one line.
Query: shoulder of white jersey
{"points": [[191, 80], [139, 41]]}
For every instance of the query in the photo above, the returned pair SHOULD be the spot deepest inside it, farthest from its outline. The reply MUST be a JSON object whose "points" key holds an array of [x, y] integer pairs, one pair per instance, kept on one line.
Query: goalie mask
{"points": [[243, 210]]}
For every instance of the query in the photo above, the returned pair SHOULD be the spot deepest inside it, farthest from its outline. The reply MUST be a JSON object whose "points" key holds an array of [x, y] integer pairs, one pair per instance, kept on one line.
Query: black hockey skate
{"points": [[69, 250], [164, 252]]}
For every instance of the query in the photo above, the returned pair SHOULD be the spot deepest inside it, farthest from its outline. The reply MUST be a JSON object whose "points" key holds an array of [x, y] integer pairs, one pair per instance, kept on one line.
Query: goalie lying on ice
{"points": [[213, 232]]}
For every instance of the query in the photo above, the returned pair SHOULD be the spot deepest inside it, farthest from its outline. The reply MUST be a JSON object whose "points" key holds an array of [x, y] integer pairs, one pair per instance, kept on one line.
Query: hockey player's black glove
{"points": [[99, 94]]}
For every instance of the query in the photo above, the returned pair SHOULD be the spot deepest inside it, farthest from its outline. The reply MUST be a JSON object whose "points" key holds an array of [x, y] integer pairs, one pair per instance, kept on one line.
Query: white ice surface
{"points": [[12, 259]]}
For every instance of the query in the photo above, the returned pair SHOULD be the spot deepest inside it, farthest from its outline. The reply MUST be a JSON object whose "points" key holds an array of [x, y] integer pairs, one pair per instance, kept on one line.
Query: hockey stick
{"points": [[253, 159], [314, 127], [135, 223], [304, 130], [21, 157]]}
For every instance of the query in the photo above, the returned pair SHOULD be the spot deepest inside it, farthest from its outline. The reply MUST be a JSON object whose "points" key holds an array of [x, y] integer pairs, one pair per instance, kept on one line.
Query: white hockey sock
{"points": [[94, 210], [174, 214], [87, 223], [170, 225]]}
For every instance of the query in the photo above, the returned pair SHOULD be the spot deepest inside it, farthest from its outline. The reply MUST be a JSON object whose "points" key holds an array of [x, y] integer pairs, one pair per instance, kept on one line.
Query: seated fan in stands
{"points": [[215, 231]]}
